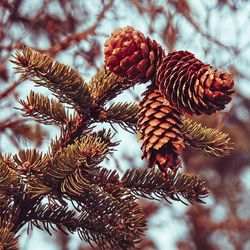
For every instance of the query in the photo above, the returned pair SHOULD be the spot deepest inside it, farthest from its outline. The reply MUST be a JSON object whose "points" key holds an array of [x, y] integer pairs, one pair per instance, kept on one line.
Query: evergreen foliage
{"points": [[40, 188]]}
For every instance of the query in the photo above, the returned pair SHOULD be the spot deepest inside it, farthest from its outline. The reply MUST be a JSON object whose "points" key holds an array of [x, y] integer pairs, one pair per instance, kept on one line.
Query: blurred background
{"points": [[73, 32]]}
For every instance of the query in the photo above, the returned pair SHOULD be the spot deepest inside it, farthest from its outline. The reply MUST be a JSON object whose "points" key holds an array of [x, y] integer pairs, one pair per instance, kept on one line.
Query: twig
{"points": [[9, 90], [69, 41]]}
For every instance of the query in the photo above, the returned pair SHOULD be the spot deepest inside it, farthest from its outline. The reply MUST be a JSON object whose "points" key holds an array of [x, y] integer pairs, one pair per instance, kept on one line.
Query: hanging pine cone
{"points": [[192, 86], [159, 129], [128, 53]]}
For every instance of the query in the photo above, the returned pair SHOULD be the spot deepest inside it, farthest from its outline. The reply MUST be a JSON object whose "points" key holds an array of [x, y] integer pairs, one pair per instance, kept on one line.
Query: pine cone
{"points": [[192, 86], [128, 53], [159, 129]]}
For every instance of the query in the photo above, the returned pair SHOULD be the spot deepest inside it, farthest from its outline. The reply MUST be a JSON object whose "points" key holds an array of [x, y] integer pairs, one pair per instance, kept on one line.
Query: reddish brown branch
{"points": [[9, 123], [75, 38], [11, 88]]}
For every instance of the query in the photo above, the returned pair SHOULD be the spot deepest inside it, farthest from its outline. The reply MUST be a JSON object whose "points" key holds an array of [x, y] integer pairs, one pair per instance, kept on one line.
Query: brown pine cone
{"points": [[192, 86], [128, 53], [159, 129]]}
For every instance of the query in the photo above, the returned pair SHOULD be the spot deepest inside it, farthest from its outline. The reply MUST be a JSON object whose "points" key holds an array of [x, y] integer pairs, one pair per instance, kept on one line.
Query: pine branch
{"points": [[75, 184], [72, 164], [112, 222], [104, 86], [109, 218], [74, 130], [122, 113], [45, 216], [92, 149], [153, 184], [31, 161], [32, 166], [63, 81], [45, 110], [8, 240], [8, 181], [107, 200], [207, 140], [109, 223], [69, 166]]}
